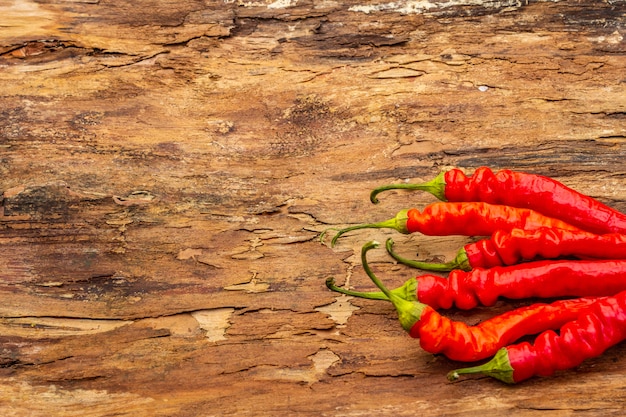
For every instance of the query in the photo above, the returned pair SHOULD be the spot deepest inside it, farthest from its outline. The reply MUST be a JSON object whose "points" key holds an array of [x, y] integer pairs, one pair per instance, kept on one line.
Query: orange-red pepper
{"points": [[467, 219], [598, 327], [519, 189]]}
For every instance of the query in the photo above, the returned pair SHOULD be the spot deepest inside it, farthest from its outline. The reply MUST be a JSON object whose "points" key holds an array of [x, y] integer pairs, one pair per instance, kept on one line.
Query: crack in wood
{"points": [[396, 72], [44, 327], [254, 286]]}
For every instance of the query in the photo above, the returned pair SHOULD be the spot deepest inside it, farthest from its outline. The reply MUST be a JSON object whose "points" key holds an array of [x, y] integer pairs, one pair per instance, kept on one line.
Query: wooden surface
{"points": [[168, 166]]}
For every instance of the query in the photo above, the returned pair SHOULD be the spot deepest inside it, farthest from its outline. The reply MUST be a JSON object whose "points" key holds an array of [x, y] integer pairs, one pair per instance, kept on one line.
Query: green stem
{"points": [[459, 262], [397, 223], [330, 283], [498, 367], [408, 291], [436, 186], [409, 311], [428, 266]]}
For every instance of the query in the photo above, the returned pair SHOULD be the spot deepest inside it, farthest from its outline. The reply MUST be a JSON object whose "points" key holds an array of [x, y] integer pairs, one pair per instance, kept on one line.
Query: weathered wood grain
{"points": [[166, 168]]}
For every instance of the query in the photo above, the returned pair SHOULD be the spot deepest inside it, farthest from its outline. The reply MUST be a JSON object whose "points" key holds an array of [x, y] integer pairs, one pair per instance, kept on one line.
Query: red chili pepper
{"points": [[518, 189], [599, 327], [461, 342], [458, 341], [468, 219], [541, 279], [512, 247]]}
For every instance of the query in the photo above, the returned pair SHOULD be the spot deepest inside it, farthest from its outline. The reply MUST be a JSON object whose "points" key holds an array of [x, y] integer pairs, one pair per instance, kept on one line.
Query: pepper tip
{"points": [[373, 197], [452, 376], [334, 239], [372, 244]]}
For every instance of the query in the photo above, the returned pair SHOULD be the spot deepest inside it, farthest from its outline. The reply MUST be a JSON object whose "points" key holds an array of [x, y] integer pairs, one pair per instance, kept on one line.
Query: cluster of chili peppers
{"points": [[544, 240]]}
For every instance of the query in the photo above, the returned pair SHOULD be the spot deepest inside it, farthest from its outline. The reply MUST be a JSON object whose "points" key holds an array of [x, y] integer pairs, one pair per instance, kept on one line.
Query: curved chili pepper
{"points": [[518, 189], [468, 219], [514, 246], [539, 279], [599, 327], [461, 342]]}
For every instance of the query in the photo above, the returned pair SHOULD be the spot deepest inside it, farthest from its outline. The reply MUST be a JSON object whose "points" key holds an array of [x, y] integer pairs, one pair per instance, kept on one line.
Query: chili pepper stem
{"points": [[456, 263], [436, 187], [397, 223], [409, 311], [408, 291], [330, 283], [498, 367]]}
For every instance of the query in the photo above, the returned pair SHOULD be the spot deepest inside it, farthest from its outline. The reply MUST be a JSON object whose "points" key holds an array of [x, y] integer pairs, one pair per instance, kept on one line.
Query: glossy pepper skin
{"points": [[509, 248], [517, 245], [539, 279], [466, 219], [597, 328], [542, 279], [461, 342], [476, 219], [519, 189]]}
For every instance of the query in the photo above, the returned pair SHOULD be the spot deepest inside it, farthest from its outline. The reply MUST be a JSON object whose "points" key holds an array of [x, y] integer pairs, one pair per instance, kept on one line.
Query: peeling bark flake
{"points": [[340, 310], [214, 322]]}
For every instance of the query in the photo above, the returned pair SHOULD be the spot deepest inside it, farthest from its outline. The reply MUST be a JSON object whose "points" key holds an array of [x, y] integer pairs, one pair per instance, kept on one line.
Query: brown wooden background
{"points": [[167, 166]]}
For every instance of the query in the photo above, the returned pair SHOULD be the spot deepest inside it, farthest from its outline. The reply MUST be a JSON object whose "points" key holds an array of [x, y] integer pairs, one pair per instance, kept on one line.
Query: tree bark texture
{"points": [[167, 167]]}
